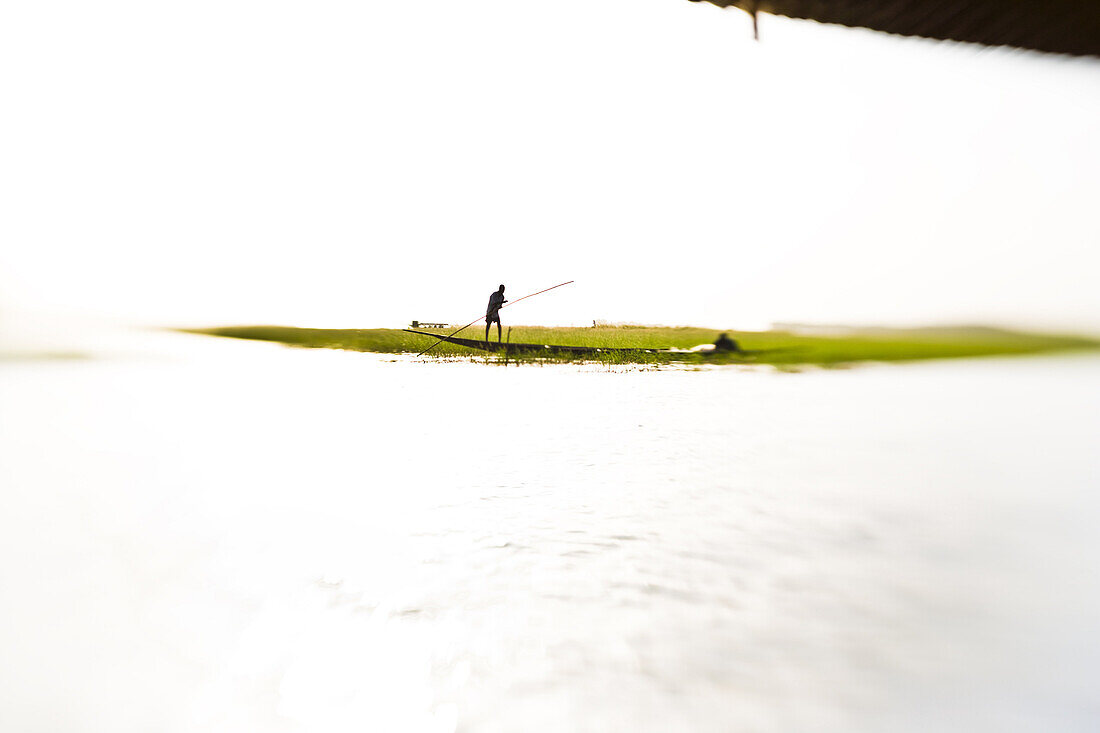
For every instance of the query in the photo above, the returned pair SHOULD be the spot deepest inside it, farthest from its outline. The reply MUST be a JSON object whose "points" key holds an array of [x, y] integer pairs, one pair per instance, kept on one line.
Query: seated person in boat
{"points": [[725, 343]]}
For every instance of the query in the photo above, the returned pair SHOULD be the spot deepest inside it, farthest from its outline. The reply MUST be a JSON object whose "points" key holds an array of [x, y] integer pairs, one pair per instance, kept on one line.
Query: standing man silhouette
{"points": [[496, 300]]}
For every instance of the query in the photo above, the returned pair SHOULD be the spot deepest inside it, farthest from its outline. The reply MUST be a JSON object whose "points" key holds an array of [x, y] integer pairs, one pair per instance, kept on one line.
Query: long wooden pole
{"points": [[437, 343]]}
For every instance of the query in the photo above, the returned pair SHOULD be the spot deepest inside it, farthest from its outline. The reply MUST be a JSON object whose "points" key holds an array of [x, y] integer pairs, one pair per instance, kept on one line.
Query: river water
{"points": [[212, 535]]}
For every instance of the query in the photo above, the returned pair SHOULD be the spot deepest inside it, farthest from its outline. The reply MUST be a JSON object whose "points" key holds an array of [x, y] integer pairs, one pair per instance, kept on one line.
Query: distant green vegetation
{"points": [[782, 348]]}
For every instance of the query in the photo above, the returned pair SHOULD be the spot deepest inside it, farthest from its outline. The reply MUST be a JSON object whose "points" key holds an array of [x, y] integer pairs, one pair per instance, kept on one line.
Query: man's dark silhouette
{"points": [[496, 300]]}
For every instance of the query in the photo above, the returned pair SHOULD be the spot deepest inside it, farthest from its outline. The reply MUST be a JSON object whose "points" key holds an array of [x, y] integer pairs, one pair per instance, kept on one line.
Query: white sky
{"points": [[363, 164]]}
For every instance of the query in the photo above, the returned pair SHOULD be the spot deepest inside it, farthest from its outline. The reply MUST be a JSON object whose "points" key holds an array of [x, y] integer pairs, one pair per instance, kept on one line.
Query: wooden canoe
{"points": [[528, 349]]}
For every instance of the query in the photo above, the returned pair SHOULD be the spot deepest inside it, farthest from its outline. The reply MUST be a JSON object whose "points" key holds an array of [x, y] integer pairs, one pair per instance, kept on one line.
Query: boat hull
{"points": [[527, 349]]}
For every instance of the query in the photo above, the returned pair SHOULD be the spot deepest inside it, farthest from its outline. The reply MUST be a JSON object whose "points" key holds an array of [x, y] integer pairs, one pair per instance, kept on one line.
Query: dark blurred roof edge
{"points": [[1054, 26]]}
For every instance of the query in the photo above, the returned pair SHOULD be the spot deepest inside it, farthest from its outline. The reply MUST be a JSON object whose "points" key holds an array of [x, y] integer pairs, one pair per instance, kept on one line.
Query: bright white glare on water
{"points": [[217, 535]]}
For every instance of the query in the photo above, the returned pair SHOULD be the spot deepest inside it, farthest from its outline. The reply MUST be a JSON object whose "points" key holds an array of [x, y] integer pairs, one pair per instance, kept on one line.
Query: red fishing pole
{"points": [[444, 338]]}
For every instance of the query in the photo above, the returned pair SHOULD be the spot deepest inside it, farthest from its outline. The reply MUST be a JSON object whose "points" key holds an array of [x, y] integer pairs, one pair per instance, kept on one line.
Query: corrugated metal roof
{"points": [[1055, 26]]}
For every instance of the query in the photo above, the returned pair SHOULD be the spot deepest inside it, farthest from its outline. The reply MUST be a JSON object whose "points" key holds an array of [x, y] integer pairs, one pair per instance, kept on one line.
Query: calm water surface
{"points": [[206, 535]]}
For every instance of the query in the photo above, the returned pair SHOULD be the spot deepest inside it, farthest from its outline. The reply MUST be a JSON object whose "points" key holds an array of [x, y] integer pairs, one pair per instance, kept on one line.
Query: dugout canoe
{"points": [[529, 349]]}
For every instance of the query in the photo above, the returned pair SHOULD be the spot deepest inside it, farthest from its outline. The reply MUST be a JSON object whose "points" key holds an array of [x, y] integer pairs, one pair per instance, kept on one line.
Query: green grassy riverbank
{"points": [[835, 347]]}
